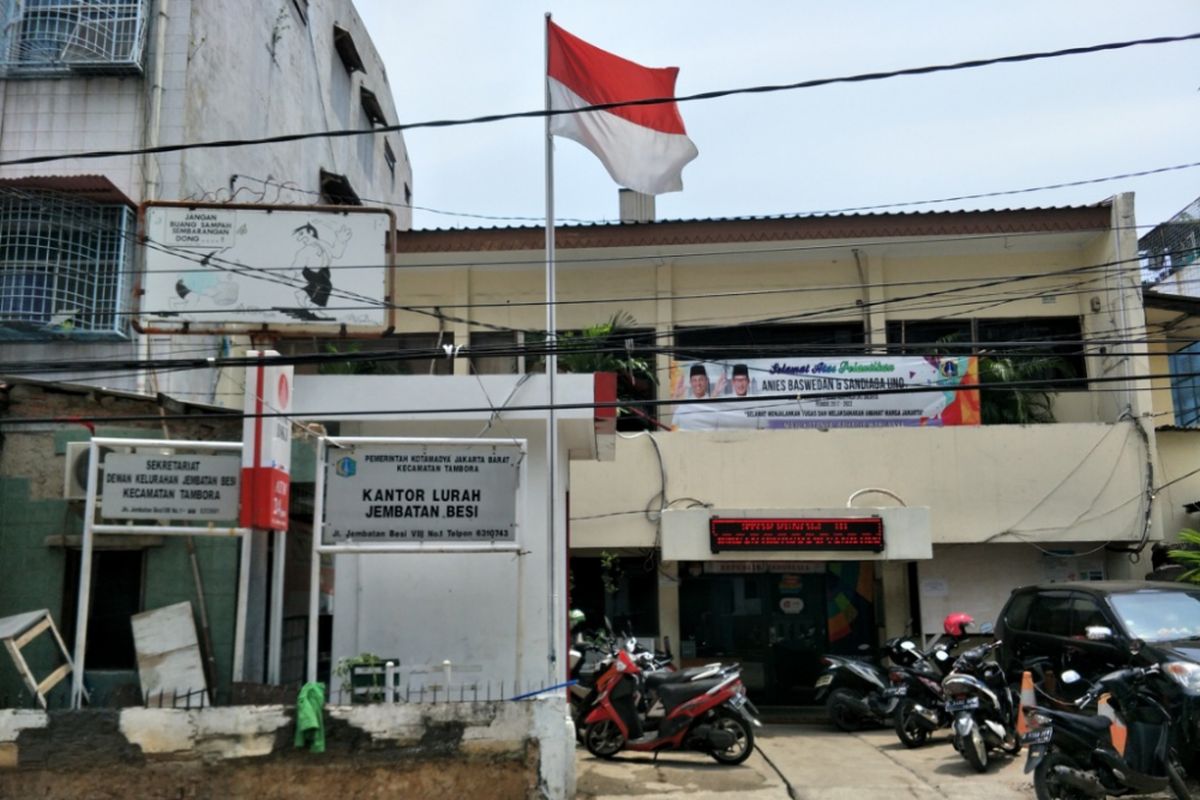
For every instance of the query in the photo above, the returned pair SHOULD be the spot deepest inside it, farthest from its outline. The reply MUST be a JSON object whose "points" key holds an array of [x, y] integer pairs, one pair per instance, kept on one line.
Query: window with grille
{"points": [[64, 267], [39, 37]]}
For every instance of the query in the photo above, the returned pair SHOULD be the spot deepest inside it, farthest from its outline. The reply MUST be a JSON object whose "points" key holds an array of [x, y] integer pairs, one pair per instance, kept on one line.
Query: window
{"points": [[38, 37], [64, 267], [495, 353], [336, 190], [371, 107], [1052, 614], [1050, 344], [1185, 389], [389, 158], [343, 43], [765, 341], [402, 354], [1017, 613]]}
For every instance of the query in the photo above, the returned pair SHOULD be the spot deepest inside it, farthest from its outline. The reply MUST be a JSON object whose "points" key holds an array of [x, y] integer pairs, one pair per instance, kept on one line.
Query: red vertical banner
{"points": [[266, 444]]}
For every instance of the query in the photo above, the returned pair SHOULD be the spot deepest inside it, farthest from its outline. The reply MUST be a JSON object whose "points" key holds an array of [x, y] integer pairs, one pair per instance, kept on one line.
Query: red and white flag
{"points": [[644, 148]]}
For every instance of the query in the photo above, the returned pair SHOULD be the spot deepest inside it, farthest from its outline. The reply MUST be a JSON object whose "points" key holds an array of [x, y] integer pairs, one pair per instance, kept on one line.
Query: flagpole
{"points": [[551, 371]]}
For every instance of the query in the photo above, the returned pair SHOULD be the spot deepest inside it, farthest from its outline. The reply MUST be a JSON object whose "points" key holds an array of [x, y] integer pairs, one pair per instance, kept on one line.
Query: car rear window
{"points": [[1159, 616]]}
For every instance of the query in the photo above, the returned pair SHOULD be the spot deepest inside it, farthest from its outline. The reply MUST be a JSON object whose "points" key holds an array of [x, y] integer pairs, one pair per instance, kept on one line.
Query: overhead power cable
{"points": [[1034, 384], [649, 101]]}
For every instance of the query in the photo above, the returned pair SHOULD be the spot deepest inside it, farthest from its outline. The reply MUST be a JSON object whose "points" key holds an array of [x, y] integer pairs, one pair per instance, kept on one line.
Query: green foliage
{"points": [[1188, 558], [344, 670], [610, 572], [1019, 406]]}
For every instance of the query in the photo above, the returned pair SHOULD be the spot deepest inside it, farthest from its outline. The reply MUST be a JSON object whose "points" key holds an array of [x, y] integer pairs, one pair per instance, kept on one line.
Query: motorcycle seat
{"points": [[1089, 722], [674, 694], [657, 679]]}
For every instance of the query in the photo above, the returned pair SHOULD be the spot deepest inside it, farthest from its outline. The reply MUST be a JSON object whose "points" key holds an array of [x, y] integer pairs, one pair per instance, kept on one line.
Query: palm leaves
{"points": [[1189, 558], [1010, 403]]}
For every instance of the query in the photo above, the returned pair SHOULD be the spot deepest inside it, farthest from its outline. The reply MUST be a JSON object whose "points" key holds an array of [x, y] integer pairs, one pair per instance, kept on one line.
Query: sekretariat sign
{"points": [[412, 493], [179, 487]]}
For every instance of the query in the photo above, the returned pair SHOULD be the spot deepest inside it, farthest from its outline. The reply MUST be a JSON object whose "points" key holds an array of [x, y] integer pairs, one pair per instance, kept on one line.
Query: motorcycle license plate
{"points": [[1039, 736], [895, 691], [824, 680], [1039, 744], [967, 704]]}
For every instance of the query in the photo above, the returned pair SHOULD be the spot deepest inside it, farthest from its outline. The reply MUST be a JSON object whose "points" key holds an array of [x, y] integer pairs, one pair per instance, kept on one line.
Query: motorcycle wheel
{"points": [[975, 750], [910, 732], [841, 712], [1047, 786], [603, 739], [743, 744]]}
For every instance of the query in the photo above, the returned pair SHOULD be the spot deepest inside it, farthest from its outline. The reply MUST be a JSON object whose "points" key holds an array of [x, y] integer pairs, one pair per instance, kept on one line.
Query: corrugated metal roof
{"points": [[781, 227]]}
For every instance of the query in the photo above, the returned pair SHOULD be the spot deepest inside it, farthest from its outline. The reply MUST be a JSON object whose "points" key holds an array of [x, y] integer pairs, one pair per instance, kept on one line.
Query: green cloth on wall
{"points": [[310, 718]]}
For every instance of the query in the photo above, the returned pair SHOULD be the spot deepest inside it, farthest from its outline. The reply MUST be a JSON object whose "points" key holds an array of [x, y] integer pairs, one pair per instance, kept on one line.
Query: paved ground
{"points": [[818, 762]]}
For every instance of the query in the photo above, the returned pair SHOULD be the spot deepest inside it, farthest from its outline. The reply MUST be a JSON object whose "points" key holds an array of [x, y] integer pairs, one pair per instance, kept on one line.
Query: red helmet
{"points": [[956, 624]]}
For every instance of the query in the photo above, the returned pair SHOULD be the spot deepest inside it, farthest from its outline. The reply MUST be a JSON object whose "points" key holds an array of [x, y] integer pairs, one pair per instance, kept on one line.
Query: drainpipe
{"points": [[151, 175], [866, 293]]}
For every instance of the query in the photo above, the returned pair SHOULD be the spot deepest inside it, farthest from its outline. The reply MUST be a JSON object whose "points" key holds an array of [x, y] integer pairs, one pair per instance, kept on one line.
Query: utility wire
{"points": [[1032, 384], [649, 101]]}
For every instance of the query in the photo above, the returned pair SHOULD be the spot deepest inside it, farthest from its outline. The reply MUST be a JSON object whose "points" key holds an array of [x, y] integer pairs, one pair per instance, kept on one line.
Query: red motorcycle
{"points": [[709, 714]]}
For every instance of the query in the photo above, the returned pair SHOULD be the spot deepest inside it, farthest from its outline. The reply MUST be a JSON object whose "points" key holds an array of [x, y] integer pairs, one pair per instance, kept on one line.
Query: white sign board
{"points": [[168, 655], [227, 268], [413, 493], [180, 487]]}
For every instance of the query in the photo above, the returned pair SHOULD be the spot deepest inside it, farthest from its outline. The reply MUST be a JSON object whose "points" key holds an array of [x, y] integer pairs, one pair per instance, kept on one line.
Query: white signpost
{"points": [[163, 458], [405, 495]]}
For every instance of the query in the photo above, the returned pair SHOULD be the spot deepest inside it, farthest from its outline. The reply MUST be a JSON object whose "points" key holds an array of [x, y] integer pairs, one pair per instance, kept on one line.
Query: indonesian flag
{"points": [[644, 148]]}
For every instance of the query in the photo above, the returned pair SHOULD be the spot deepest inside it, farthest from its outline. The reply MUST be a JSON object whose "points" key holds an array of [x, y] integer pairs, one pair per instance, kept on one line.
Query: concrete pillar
{"points": [[668, 604], [892, 608]]}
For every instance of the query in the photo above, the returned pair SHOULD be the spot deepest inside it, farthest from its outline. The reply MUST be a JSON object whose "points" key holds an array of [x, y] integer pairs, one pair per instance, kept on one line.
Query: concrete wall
{"points": [[495, 750], [1043, 483]]}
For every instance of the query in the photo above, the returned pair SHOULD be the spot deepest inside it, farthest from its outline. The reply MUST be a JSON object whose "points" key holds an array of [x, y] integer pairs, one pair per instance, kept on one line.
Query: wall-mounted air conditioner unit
{"points": [[75, 474]]}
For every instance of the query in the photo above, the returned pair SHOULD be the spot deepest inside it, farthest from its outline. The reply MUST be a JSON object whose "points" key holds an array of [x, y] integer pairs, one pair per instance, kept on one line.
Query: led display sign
{"points": [[766, 533]]}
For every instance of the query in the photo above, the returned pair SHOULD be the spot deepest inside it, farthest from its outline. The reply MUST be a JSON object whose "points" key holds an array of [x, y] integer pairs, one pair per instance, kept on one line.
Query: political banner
{"points": [[851, 392]]}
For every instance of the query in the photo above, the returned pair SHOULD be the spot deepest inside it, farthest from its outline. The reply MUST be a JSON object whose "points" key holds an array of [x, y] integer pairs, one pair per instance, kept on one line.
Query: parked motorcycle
{"points": [[983, 706], [856, 690], [709, 714], [921, 707], [1121, 750]]}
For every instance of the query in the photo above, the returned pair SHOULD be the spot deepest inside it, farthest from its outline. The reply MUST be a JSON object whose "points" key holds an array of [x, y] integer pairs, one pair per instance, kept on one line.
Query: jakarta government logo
{"points": [[346, 467], [949, 368]]}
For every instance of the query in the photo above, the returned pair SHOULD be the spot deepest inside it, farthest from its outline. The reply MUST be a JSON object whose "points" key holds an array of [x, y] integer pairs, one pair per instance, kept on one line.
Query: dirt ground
{"points": [[318, 780]]}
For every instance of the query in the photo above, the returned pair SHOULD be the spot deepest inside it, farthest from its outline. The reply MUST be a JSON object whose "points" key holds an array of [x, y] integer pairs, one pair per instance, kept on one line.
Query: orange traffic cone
{"points": [[1027, 699], [1116, 728]]}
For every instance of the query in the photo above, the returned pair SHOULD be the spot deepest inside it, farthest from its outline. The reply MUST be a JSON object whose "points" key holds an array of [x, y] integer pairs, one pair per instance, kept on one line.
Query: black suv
{"points": [[1091, 627]]}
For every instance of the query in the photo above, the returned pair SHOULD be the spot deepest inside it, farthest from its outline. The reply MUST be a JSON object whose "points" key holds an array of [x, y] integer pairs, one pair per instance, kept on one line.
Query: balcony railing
{"points": [[41, 38]]}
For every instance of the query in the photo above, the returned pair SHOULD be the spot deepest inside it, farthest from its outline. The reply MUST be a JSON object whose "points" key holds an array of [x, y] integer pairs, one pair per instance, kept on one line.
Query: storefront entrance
{"points": [[775, 618]]}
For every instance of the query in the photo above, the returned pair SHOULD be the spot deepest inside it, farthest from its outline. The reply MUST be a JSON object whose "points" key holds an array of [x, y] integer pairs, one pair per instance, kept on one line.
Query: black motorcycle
{"points": [[983, 707], [921, 706], [1124, 749], [856, 690]]}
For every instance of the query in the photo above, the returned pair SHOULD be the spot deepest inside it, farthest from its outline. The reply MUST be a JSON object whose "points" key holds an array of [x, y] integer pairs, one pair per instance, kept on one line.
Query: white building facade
{"points": [[135, 75]]}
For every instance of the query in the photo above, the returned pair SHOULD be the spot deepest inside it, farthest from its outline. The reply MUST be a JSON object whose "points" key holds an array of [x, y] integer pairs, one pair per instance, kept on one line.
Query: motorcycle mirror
{"points": [[1070, 676], [1098, 633]]}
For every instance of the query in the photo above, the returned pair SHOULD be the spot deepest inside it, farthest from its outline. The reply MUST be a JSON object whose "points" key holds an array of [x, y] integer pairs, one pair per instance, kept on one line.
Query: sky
{"points": [[899, 140]]}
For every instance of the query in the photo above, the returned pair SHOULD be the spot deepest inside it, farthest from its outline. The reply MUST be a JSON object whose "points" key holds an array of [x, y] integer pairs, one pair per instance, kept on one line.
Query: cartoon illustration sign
{"points": [[222, 268]]}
